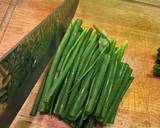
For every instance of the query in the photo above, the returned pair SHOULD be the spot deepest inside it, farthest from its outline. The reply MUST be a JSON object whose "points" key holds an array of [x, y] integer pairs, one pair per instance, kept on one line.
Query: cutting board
{"points": [[138, 21], [18, 17]]}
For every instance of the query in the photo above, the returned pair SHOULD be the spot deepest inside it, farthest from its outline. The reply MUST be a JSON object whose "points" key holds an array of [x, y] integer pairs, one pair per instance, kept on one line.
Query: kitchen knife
{"points": [[21, 67]]}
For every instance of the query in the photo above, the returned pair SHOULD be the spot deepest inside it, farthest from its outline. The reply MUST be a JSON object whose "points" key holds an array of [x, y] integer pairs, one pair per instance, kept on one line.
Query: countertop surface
{"points": [[138, 21]]}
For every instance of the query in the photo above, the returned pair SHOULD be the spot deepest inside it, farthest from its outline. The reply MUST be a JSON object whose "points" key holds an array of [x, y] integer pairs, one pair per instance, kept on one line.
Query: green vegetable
{"points": [[97, 85], [38, 99], [156, 67], [82, 95], [57, 84], [63, 98], [79, 72], [59, 103], [121, 49], [118, 99], [56, 59], [87, 79], [107, 87]]}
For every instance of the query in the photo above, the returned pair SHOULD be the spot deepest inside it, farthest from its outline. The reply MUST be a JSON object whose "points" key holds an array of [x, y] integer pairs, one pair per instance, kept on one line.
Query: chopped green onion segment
{"points": [[87, 78]]}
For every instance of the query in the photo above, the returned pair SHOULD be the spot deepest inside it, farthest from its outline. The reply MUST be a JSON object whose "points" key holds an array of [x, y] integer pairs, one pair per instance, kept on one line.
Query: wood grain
{"points": [[7, 14], [3, 6], [140, 25], [154, 3], [22, 16]]}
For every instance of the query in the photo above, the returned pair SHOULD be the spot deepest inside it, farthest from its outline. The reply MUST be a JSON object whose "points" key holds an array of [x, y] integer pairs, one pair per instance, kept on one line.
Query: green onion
{"points": [[82, 95], [121, 49], [156, 67], [56, 59], [36, 104], [57, 84], [118, 99], [97, 85], [71, 76], [87, 79]]}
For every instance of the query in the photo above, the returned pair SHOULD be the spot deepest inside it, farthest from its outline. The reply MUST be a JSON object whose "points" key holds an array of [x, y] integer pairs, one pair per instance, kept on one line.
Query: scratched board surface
{"points": [[139, 23], [18, 17]]}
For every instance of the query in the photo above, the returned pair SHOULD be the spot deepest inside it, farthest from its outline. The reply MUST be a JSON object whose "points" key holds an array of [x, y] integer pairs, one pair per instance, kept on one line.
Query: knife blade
{"points": [[21, 67]]}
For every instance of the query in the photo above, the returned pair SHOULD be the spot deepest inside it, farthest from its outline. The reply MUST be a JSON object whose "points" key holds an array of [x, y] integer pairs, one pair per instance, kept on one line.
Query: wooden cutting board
{"points": [[138, 21], [18, 17]]}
